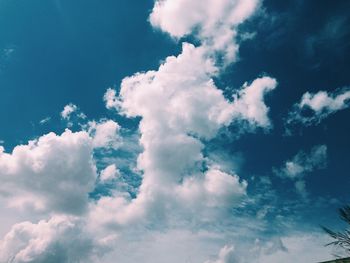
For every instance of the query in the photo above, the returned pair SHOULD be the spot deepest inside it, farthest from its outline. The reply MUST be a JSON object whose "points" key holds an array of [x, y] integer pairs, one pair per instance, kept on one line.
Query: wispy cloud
{"points": [[313, 108], [302, 163]]}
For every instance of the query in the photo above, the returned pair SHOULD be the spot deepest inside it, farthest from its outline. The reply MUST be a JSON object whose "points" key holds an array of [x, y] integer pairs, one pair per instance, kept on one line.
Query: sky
{"points": [[194, 131]]}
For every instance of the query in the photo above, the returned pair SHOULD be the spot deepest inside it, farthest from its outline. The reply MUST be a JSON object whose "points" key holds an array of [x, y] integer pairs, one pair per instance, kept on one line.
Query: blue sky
{"points": [[172, 131]]}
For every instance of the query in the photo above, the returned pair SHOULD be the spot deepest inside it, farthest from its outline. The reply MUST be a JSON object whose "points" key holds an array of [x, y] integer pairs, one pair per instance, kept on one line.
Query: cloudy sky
{"points": [[193, 131]]}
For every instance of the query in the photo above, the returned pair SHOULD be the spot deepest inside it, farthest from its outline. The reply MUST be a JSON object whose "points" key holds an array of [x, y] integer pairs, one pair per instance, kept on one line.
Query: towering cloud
{"points": [[181, 108]]}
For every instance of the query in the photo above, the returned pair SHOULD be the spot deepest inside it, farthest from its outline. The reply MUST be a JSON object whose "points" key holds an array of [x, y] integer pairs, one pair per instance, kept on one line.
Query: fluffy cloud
{"points": [[217, 190], [213, 22], [53, 173], [109, 173], [249, 102], [180, 110], [104, 134], [313, 108], [68, 110], [60, 239], [72, 115], [302, 163], [190, 110]]}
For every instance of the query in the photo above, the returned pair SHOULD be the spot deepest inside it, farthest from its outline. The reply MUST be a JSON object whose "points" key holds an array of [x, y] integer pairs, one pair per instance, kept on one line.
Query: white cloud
{"points": [[104, 133], [226, 255], [109, 173], [72, 114], [180, 108], [313, 108], [249, 102], [52, 173], [110, 97], [301, 164], [68, 110], [213, 22], [60, 239], [215, 190]]}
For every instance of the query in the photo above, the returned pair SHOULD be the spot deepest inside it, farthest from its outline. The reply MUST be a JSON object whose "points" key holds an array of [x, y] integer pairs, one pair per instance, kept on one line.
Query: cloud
{"points": [[45, 120], [305, 247], [59, 239], [105, 133], [301, 164], [249, 102], [53, 173], [213, 22], [68, 110], [313, 108], [180, 109], [71, 113], [217, 190], [109, 173], [189, 111], [226, 255], [110, 97]]}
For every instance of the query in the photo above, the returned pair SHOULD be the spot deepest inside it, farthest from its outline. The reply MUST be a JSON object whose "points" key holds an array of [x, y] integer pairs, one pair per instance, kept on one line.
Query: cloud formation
{"points": [[249, 102], [190, 110], [105, 133], [59, 239], [214, 23], [302, 163], [313, 108], [54, 173], [180, 108], [109, 173]]}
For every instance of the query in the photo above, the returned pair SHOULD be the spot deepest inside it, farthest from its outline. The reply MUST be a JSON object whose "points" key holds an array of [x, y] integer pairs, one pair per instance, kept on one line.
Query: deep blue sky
{"points": [[56, 52]]}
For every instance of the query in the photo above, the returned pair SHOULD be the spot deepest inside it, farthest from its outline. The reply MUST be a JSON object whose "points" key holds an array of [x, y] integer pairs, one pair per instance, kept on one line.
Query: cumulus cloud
{"points": [[313, 108], [190, 110], [59, 239], [213, 22], [105, 134], [180, 110], [51, 173], [301, 164], [109, 173], [249, 102], [217, 189]]}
